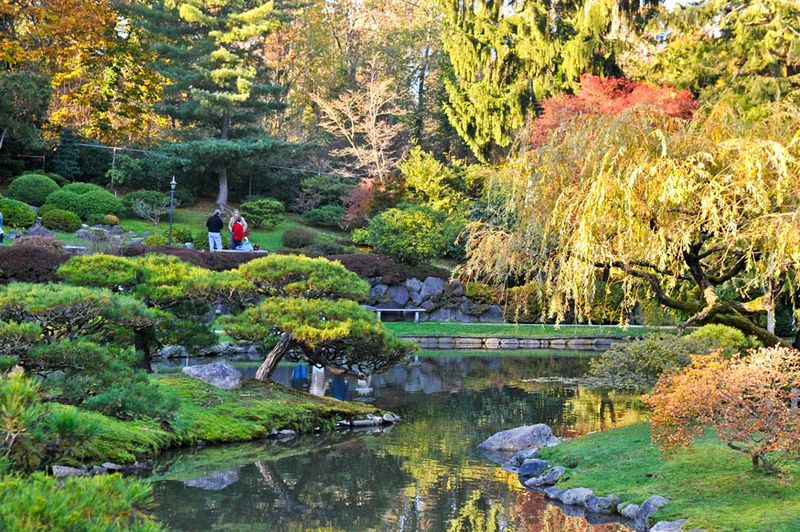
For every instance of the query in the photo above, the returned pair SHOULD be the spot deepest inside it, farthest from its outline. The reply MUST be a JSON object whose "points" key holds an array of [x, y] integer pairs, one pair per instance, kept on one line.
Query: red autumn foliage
{"points": [[369, 197], [608, 96], [750, 400]]}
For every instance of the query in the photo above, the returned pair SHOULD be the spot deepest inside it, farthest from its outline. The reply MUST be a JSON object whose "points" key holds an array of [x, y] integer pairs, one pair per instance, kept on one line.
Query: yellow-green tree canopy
{"points": [[702, 213]]}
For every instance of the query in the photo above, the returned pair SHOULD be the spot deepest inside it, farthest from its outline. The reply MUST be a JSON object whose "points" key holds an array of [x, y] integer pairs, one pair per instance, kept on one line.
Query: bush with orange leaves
{"points": [[751, 400]]}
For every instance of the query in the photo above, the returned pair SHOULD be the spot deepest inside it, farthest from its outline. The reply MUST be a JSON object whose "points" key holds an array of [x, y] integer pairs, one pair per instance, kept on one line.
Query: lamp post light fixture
{"points": [[171, 205]]}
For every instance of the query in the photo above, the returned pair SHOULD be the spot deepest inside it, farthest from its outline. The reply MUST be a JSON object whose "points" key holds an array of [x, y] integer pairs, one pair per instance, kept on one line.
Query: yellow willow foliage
{"points": [[637, 190]]}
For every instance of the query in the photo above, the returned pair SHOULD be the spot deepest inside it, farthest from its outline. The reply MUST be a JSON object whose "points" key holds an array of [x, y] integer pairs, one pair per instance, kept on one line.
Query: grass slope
{"points": [[712, 486]]}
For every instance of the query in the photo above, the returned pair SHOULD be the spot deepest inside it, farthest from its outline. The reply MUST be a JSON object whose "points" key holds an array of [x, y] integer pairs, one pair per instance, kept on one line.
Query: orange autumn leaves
{"points": [[747, 399]]}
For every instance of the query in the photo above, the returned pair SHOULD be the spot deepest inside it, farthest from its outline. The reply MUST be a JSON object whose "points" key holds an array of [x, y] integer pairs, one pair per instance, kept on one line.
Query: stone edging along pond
{"points": [[536, 474], [504, 342]]}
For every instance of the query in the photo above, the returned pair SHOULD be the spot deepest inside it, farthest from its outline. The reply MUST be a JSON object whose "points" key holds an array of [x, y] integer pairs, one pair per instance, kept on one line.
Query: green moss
{"points": [[712, 486], [213, 415]]}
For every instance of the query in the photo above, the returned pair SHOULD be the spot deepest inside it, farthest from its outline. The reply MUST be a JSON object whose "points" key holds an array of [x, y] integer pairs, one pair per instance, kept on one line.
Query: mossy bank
{"points": [[214, 415]]}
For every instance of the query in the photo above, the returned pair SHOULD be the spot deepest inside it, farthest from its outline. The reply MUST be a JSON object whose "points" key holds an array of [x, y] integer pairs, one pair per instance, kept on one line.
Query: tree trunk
{"points": [[222, 196], [141, 342], [273, 357]]}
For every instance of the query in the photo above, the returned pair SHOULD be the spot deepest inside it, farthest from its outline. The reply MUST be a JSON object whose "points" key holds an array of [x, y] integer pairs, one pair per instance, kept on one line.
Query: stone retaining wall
{"points": [[502, 342]]}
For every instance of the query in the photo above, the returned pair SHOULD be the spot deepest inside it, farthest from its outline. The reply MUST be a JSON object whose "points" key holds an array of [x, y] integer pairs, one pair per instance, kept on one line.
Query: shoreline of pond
{"points": [[493, 343]]}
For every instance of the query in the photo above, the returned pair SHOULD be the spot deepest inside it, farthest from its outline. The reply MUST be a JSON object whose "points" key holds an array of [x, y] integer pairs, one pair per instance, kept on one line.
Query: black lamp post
{"points": [[171, 205]]}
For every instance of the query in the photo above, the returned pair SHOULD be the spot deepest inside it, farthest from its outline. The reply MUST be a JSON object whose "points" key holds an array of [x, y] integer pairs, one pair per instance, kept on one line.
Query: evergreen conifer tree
{"points": [[218, 86]]}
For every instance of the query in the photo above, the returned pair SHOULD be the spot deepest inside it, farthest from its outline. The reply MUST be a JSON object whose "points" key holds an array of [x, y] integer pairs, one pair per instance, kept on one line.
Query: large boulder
{"points": [[218, 374], [432, 286], [527, 437], [576, 496]]}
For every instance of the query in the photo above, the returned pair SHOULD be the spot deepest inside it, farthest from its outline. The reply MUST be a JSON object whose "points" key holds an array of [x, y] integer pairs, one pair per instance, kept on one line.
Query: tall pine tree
{"points": [[218, 89]]}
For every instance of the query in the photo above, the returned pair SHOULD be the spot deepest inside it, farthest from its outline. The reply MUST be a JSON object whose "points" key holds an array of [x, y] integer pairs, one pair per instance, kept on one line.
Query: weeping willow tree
{"points": [[701, 214]]}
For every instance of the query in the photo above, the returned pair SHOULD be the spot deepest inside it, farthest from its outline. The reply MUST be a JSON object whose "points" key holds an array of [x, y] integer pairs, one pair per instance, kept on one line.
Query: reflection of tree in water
{"points": [[344, 487]]}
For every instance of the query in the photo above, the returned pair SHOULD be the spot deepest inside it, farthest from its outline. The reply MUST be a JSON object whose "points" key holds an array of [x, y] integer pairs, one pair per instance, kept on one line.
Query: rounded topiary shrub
{"points": [[16, 213], [200, 240], [32, 189], [412, 235], [298, 237], [60, 220], [44, 209], [110, 219], [263, 214], [91, 202], [327, 216]]}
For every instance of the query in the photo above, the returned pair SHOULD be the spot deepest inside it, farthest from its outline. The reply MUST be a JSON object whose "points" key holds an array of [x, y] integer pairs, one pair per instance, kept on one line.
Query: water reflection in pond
{"points": [[424, 474]]}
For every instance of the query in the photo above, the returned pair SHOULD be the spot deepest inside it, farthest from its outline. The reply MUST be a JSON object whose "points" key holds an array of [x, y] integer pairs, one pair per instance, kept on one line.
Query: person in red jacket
{"points": [[238, 234]]}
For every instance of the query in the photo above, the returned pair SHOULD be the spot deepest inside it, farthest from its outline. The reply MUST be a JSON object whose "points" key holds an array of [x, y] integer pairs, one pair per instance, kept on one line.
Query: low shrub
{"points": [[59, 220], [327, 216], [640, 363], [480, 293], [298, 237], [179, 234], [30, 264], [155, 239], [91, 202], [412, 235], [16, 213], [32, 189], [359, 236], [47, 207], [110, 219], [200, 240], [39, 241], [371, 266], [210, 261], [263, 214]]}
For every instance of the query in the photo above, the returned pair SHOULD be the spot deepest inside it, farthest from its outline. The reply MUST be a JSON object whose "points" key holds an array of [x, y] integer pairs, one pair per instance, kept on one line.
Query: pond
{"points": [[422, 474]]}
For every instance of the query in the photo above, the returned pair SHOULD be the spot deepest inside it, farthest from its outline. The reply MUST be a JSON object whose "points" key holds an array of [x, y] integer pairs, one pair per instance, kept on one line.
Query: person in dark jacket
{"points": [[215, 225]]}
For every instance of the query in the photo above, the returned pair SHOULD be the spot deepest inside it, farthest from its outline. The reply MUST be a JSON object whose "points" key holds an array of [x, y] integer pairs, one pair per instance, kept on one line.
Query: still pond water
{"points": [[422, 474]]}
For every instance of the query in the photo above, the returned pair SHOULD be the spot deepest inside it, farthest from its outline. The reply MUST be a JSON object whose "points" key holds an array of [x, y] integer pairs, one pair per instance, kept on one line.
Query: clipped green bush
{"points": [[59, 220], [110, 219], [412, 235], [359, 236], [17, 214], [44, 209], [91, 202], [32, 189], [263, 214], [327, 216], [298, 237]]}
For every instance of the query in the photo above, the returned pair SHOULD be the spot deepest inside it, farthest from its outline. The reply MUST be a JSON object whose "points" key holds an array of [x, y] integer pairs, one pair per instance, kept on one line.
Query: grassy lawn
{"points": [[519, 330], [712, 486]]}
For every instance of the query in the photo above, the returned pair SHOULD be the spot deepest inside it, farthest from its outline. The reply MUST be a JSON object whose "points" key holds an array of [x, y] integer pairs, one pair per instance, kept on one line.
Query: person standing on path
{"points": [[237, 234], [214, 225], [236, 217], [1, 228]]}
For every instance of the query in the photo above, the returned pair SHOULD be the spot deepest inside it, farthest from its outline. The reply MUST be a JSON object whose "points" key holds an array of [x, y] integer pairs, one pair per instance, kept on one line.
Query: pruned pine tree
{"points": [[218, 89]]}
